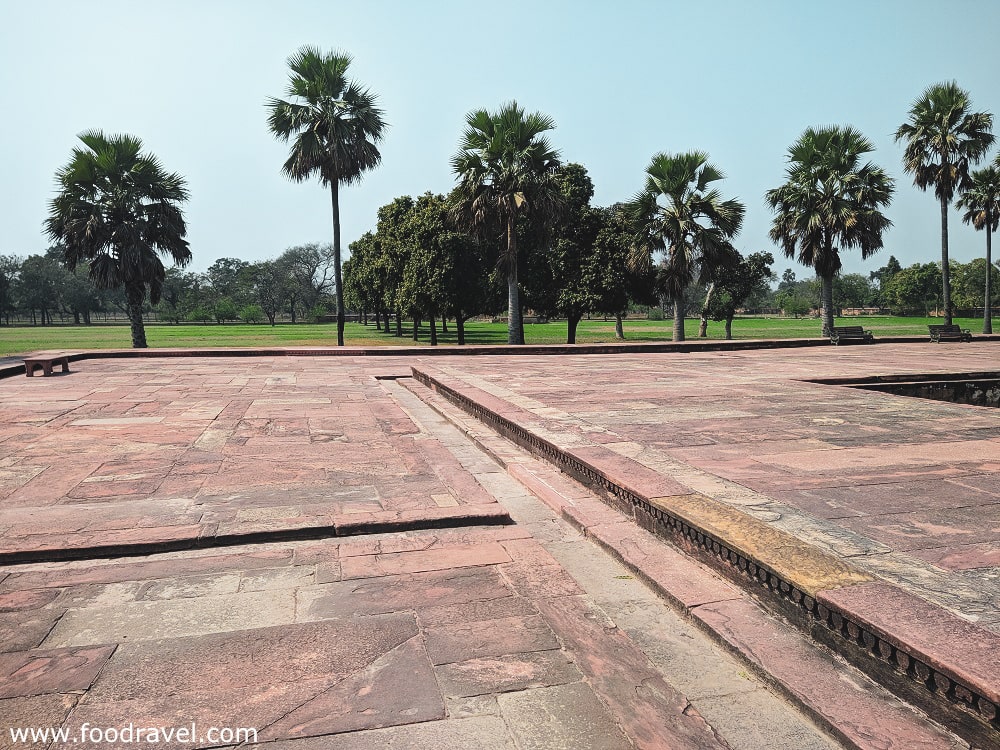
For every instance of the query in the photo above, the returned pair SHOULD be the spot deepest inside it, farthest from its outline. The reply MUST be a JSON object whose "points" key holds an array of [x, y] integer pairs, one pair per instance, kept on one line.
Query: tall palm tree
{"points": [[336, 126], [678, 212], [830, 201], [119, 210], [982, 204], [943, 138], [506, 170]]}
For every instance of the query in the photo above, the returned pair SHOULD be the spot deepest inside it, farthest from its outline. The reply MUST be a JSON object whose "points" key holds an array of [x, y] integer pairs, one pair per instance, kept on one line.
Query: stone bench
{"points": [[941, 333], [46, 364], [850, 333]]}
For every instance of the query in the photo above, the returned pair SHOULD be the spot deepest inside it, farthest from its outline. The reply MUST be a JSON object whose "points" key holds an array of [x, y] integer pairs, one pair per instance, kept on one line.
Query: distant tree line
{"points": [[295, 286]]}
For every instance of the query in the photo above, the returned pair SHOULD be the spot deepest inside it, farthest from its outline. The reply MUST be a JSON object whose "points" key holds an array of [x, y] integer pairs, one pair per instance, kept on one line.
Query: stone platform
{"points": [[301, 545]]}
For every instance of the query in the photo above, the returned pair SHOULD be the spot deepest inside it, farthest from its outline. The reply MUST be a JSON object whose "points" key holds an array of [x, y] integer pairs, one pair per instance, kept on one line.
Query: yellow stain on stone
{"points": [[801, 564]]}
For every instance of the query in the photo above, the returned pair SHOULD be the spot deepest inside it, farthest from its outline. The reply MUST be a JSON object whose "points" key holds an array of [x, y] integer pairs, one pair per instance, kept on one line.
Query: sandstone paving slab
{"points": [[21, 631], [400, 593], [47, 671], [37, 712], [653, 712], [483, 732], [964, 557], [279, 680], [564, 716], [461, 642], [153, 620], [506, 673]]}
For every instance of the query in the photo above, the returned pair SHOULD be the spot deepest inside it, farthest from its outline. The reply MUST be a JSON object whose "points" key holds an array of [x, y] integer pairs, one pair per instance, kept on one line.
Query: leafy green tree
{"points": [[311, 271], [505, 167], [981, 202], [40, 286], [270, 285], [119, 210], [852, 290], [252, 314], [228, 279], [882, 277], [915, 289], [736, 284], [225, 309], [335, 126], [364, 284], [628, 272], [680, 213], [10, 268], [944, 138], [178, 294], [830, 201]]}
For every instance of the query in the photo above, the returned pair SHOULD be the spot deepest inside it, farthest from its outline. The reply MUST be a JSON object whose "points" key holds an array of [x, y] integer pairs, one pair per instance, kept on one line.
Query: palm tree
{"points": [[943, 139], [982, 204], [677, 212], [831, 201], [336, 126], [118, 210], [506, 170]]}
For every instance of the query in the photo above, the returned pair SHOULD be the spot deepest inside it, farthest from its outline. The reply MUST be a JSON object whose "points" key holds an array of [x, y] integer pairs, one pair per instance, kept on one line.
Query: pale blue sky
{"points": [[737, 79]]}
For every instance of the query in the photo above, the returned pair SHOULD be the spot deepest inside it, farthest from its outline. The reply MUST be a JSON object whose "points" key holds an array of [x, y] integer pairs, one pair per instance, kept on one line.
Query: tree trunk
{"points": [[987, 305], [703, 325], [729, 327], [571, 322], [378, 319], [515, 322], [679, 318], [416, 328], [133, 305], [399, 323], [460, 328], [434, 335], [444, 324], [945, 271], [338, 278], [619, 328], [827, 304]]}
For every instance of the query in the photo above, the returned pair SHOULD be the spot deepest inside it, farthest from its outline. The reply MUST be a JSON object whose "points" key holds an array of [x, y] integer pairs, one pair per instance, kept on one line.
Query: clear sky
{"points": [[623, 80]]}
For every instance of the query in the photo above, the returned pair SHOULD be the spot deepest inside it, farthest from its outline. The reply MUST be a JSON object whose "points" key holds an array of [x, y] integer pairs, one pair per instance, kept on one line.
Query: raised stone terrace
{"points": [[686, 549]]}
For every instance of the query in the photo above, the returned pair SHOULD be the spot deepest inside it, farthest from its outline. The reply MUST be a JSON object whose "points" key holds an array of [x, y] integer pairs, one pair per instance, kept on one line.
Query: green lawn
{"points": [[19, 340]]}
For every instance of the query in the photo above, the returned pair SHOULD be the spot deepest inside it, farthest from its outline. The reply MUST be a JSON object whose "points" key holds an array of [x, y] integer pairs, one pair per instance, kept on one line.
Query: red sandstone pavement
{"points": [[340, 636], [907, 488]]}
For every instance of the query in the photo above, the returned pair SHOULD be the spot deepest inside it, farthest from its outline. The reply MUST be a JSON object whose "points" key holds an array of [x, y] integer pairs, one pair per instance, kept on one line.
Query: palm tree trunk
{"points": [[827, 304], [515, 329], [679, 318], [338, 278], [729, 327], [987, 308], [703, 325], [945, 271], [619, 328], [134, 296]]}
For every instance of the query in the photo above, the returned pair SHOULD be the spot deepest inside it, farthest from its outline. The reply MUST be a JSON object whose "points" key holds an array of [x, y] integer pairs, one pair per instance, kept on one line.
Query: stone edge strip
{"points": [[708, 345], [880, 653], [339, 529]]}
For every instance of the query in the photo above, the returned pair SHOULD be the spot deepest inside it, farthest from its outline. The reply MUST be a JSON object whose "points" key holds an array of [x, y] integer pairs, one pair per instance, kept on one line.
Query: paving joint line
{"points": [[309, 533]]}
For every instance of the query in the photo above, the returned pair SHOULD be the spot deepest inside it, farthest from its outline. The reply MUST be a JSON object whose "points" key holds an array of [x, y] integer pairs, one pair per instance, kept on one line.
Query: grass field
{"points": [[20, 340]]}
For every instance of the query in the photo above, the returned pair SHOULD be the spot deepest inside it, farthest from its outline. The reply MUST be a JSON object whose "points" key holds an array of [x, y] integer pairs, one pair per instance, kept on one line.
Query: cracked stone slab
{"points": [[285, 681]]}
